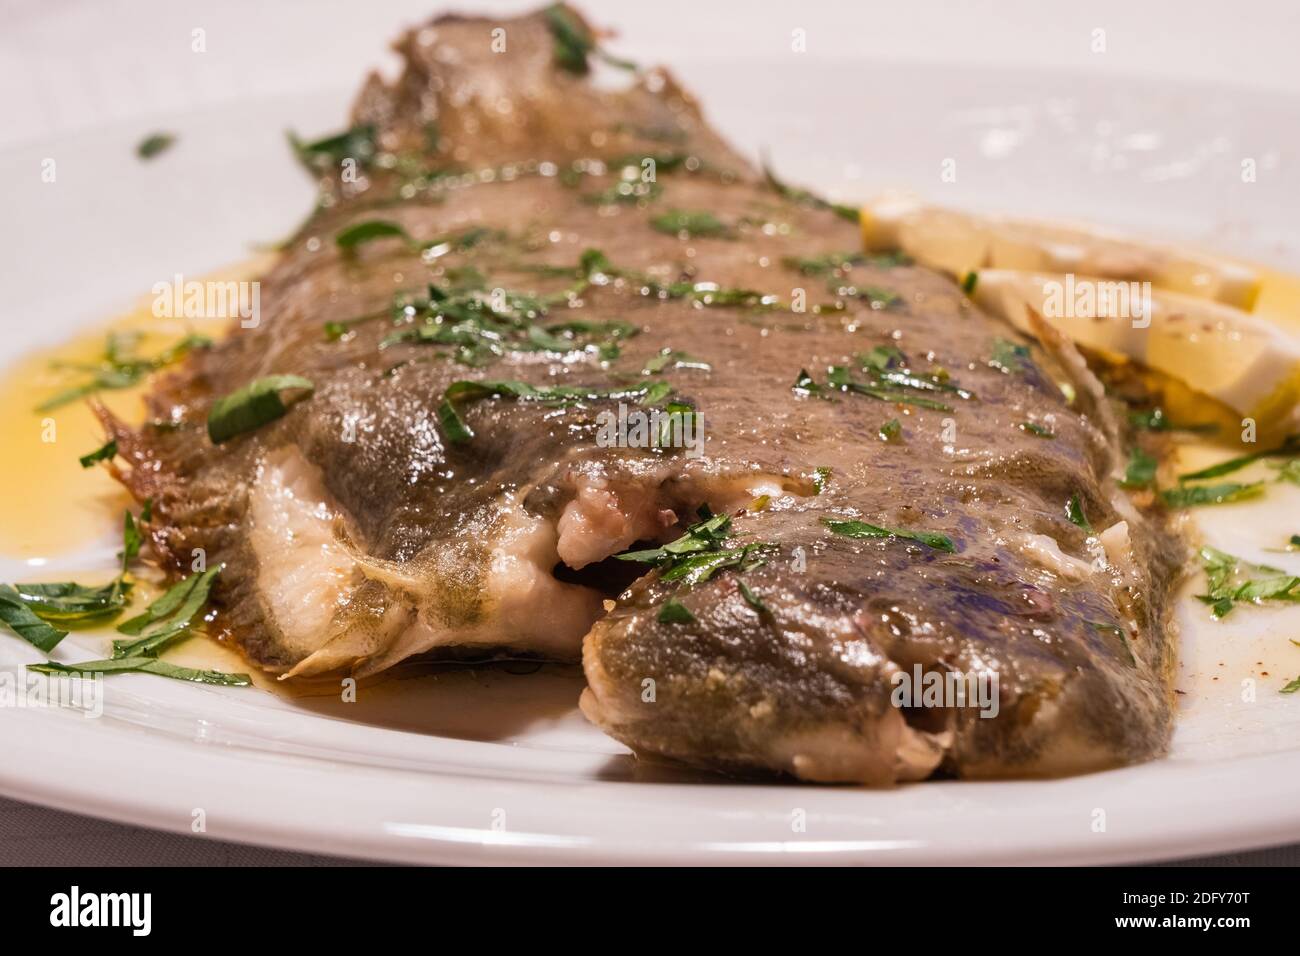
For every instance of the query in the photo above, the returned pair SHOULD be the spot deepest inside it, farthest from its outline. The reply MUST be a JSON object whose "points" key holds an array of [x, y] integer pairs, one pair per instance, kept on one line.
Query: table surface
{"points": [[73, 64]]}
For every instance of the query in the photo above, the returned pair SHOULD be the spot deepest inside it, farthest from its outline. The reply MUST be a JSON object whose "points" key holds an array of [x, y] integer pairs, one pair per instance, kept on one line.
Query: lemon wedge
{"points": [[958, 243], [1245, 362]]}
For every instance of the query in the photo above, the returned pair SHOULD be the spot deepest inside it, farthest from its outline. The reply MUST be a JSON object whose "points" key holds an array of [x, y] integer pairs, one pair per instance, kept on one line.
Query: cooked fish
{"points": [[508, 258]]}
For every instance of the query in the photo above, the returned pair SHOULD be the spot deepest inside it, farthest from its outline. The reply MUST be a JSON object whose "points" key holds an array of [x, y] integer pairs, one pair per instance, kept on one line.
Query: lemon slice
{"points": [[957, 243], [1243, 361]]}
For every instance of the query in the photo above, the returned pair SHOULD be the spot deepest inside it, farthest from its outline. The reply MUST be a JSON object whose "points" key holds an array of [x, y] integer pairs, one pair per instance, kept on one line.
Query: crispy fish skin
{"points": [[355, 532]]}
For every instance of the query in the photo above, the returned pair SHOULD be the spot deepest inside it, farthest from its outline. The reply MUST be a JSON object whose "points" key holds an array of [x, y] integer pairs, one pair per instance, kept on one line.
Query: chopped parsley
{"points": [[1290, 445], [349, 238], [879, 298], [32, 611], [671, 358], [144, 665], [804, 384], [626, 192], [1074, 511], [691, 224], [327, 153], [823, 265], [104, 452], [700, 553], [1010, 357], [155, 144], [675, 612], [887, 365], [363, 232], [1288, 470], [1155, 420], [256, 404], [1191, 496], [805, 198], [481, 326], [751, 598], [18, 615], [860, 529], [1042, 431], [1141, 470], [120, 367], [1231, 580], [574, 42], [458, 432], [891, 430], [885, 386], [168, 618], [1102, 627]]}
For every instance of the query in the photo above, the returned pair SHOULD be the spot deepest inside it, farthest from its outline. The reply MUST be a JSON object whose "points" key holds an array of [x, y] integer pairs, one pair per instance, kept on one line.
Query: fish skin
{"points": [[802, 689]]}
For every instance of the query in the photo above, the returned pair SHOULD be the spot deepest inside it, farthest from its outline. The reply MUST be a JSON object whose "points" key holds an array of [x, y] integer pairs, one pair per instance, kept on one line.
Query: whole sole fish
{"points": [[539, 321]]}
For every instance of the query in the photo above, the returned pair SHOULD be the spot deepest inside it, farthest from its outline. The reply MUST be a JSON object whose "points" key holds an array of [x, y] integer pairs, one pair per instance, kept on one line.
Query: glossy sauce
{"points": [[55, 508]]}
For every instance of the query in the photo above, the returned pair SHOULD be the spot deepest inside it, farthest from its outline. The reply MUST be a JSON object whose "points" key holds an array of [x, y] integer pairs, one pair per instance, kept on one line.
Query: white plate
{"points": [[489, 766]]}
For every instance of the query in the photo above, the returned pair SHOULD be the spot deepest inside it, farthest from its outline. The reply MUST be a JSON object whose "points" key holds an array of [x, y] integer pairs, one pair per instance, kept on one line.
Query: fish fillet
{"points": [[558, 231]]}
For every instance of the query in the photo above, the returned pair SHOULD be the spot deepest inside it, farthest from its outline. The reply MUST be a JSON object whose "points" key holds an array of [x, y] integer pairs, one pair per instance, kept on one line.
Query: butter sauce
{"points": [[56, 508]]}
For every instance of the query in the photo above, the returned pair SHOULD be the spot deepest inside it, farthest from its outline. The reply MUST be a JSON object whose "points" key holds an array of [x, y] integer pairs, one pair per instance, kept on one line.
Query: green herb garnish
{"points": [[1141, 470], [574, 42], [1074, 511], [1010, 357], [645, 393], [368, 231], [886, 365], [1191, 496], [102, 453], [752, 599], [860, 529], [885, 388], [1288, 471], [804, 384], [626, 192], [151, 146], [675, 359], [821, 478], [699, 554], [68, 603], [23, 621], [805, 198], [1230, 579], [823, 265], [675, 612], [690, 224], [1042, 431], [891, 430], [143, 665], [168, 618], [31, 610], [120, 367], [256, 404], [349, 238], [1291, 444], [1104, 628], [328, 153], [1155, 420]]}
